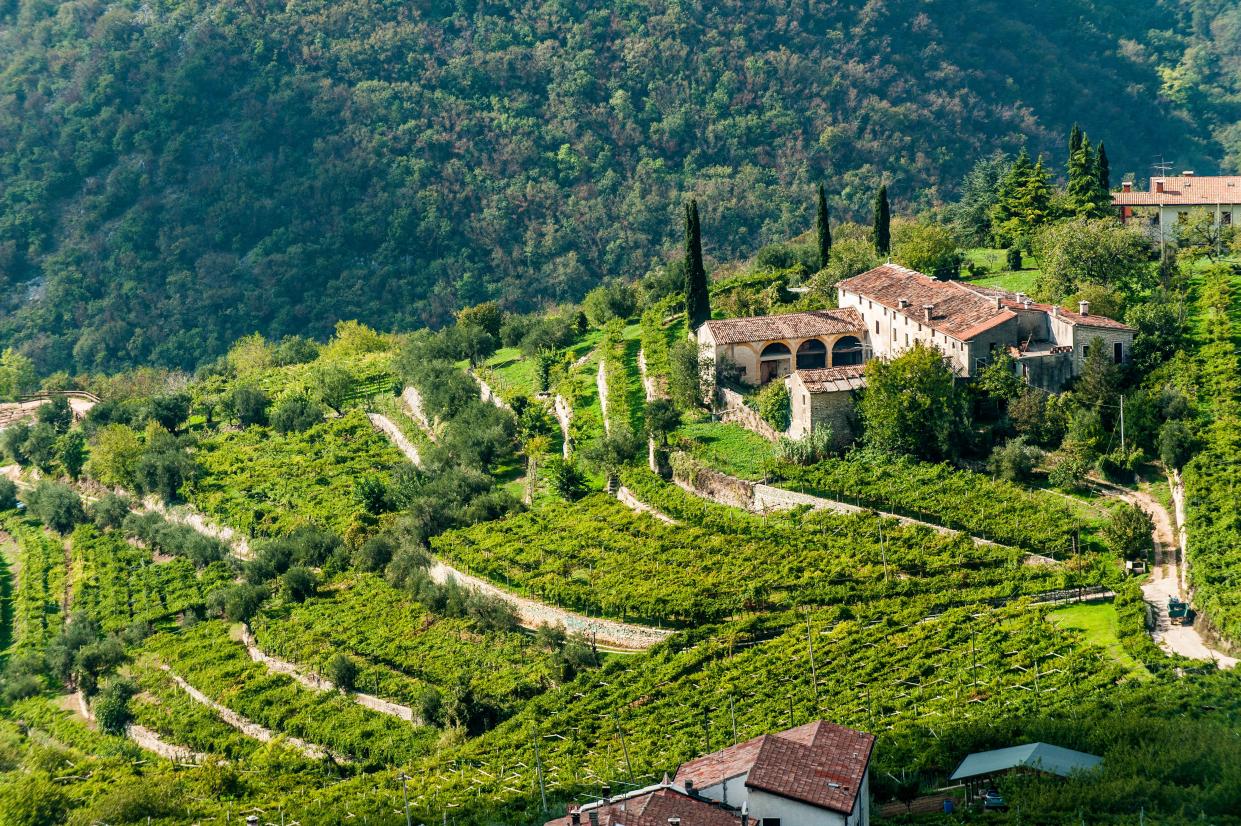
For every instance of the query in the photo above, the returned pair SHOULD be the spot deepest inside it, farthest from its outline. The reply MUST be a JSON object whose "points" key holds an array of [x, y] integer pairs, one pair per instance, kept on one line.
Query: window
{"points": [[876, 327], [1225, 219], [1085, 351], [907, 339], [1182, 217], [992, 347], [1118, 353], [771, 821]]}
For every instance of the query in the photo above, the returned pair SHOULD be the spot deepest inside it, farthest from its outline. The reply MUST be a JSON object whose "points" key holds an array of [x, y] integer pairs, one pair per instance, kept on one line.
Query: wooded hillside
{"points": [[176, 174]]}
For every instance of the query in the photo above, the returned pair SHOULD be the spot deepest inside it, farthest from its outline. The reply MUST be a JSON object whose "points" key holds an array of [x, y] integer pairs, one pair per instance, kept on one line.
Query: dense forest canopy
{"points": [[177, 173]]}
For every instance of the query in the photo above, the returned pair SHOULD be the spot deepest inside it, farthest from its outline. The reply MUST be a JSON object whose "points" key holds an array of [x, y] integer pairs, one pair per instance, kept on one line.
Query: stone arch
{"points": [[774, 361], [846, 350], [811, 354]]}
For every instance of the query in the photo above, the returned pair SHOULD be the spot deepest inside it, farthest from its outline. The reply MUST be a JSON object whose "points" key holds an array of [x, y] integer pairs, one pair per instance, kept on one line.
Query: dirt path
{"points": [[248, 728], [413, 403], [626, 497], [317, 683], [601, 385], [394, 434], [532, 613], [1165, 578]]}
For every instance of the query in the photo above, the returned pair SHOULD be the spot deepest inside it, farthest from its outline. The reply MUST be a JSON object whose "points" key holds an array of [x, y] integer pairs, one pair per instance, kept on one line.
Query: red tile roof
{"points": [[1010, 300], [786, 326], [653, 808], [1187, 190], [956, 310], [820, 763], [833, 379]]}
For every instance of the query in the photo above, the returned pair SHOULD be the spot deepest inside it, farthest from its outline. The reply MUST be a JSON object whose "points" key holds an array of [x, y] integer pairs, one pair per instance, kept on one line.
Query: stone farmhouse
{"points": [[1170, 202], [885, 311], [813, 775]]}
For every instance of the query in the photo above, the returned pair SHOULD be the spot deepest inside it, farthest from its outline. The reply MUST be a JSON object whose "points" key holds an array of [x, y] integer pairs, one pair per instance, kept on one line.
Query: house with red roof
{"points": [[1172, 200], [813, 775]]}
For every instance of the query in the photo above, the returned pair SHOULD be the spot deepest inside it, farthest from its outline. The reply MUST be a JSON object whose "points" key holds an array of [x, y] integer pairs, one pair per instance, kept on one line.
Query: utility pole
{"points": [[1122, 423], [732, 716], [538, 770], [814, 680], [404, 794]]}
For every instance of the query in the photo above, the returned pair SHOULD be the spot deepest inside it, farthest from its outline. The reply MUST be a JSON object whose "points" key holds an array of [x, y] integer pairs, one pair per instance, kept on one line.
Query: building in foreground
{"points": [[1173, 201], [813, 775]]}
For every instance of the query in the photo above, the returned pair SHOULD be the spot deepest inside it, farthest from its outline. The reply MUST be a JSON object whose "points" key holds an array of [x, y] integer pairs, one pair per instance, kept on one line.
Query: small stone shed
{"points": [[824, 396]]}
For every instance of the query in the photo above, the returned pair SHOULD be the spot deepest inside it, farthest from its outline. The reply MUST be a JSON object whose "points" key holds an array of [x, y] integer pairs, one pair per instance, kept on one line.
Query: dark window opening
{"points": [[811, 355], [847, 350], [1118, 353]]}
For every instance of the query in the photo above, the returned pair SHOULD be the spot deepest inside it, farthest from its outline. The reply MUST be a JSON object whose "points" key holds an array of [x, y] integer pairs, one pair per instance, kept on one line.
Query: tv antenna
{"points": [[1162, 167]]}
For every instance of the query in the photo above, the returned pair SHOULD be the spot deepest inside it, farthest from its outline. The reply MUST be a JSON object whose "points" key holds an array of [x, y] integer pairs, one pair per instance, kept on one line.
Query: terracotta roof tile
{"points": [[787, 325], [820, 763], [1186, 190], [833, 379], [956, 310], [654, 808], [1011, 301]]}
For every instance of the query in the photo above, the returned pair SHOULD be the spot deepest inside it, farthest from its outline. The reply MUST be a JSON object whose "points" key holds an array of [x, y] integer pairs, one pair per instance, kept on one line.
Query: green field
{"points": [[1099, 626]]}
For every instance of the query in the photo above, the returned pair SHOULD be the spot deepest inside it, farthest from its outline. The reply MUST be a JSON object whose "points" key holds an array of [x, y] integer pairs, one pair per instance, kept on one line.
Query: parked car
{"points": [[993, 800]]}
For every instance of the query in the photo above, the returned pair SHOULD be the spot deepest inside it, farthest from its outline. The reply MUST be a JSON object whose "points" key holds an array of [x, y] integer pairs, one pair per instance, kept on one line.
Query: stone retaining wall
{"points": [[736, 411], [531, 614], [564, 415], [413, 402]]}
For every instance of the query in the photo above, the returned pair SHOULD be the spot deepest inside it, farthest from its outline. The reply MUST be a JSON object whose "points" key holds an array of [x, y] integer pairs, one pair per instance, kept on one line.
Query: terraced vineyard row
{"points": [[402, 650], [38, 601], [220, 668], [117, 583], [596, 556], [881, 668]]}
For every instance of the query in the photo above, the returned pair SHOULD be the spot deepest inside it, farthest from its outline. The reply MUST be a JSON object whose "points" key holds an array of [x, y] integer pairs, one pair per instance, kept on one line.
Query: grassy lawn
{"points": [[513, 373], [1099, 626], [729, 448], [998, 275]]}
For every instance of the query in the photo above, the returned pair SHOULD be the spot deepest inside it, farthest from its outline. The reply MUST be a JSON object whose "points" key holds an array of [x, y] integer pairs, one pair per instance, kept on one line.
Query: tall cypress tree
{"points": [[822, 225], [1075, 143], [1104, 169], [883, 222], [697, 297]]}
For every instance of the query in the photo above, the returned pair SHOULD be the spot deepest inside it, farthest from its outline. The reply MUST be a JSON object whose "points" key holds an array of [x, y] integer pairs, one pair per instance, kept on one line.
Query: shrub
{"points": [[110, 510], [1015, 460], [1012, 258], [111, 707], [608, 302], [1127, 532], [565, 479], [1069, 474], [772, 403], [298, 583], [342, 671], [810, 449], [8, 494], [56, 506], [296, 413], [1175, 445], [248, 405]]}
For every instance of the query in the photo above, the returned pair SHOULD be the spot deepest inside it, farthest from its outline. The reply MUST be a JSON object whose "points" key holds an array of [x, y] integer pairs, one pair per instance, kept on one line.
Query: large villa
{"points": [[885, 311]]}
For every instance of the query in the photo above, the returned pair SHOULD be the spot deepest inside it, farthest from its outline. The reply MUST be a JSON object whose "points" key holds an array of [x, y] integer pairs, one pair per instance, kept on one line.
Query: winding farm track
{"points": [[394, 435], [1167, 577], [531, 614], [249, 728], [317, 683]]}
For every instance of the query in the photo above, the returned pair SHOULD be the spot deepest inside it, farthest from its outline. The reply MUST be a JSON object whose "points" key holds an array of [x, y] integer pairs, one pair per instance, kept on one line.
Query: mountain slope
{"points": [[174, 174]]}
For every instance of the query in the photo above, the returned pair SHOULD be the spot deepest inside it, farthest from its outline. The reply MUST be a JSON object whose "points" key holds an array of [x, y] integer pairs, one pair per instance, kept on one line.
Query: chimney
{"points": [[1055, 310], [607, 793], [1025, 301], [999, 302], [593, 814], [674, 821], [1159, 185], [902, 303], [575, 818], [689, 785], [1188, 173], [1083, 308], [926, 312], [1126, 186]]}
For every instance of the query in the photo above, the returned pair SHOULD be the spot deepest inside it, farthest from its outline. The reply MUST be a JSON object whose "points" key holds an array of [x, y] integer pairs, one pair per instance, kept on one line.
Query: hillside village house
{"points": [[887, 310], [813, 775], [1172, 201]]}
